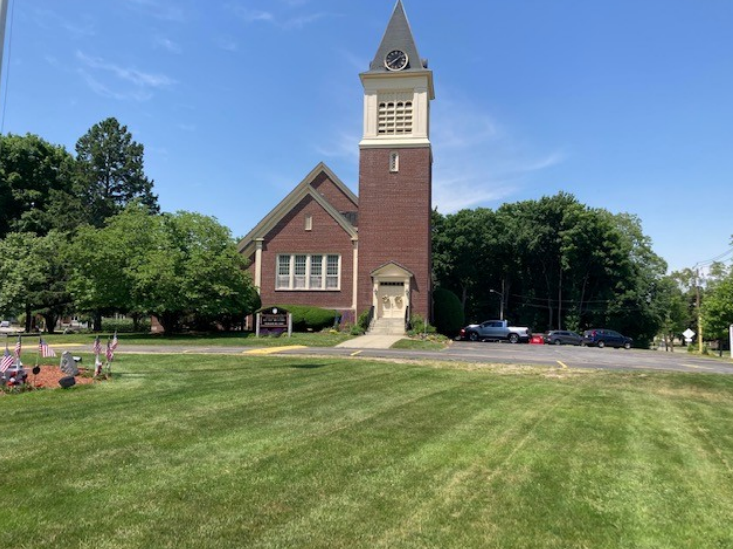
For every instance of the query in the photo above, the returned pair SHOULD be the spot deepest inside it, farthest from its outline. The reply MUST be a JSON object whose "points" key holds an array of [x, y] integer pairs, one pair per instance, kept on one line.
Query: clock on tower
{"points": [[395, 180]]}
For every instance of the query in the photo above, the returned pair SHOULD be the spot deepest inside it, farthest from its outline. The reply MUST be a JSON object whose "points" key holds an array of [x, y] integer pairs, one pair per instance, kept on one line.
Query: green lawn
{"points": [[265, 452], [237, 339]]}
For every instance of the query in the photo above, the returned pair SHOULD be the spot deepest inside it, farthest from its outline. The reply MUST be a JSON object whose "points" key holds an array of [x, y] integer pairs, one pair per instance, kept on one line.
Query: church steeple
{"points": [[398, 37]]}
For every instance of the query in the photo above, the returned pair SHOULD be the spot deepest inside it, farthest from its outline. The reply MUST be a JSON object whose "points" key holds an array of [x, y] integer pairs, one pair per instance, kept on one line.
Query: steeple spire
{"points": [[398, 37]]}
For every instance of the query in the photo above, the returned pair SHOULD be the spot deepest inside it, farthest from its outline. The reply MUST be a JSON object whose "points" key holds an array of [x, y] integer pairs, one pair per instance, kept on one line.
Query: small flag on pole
{"points": [[97, 346], [18, 347], [114, 342], [45, 350], [110, 352], [7, 360]]}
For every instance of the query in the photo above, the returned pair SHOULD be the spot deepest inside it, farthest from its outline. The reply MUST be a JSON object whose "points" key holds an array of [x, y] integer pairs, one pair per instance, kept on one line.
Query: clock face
{"points": [[395, 60]]}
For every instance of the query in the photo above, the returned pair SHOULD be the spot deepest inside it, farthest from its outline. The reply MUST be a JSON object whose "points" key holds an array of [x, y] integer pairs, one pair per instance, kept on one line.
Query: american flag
{"points": [[114, 342], [110, 353], [97, 346], [18, 347], [7, 360], [45, 350]]}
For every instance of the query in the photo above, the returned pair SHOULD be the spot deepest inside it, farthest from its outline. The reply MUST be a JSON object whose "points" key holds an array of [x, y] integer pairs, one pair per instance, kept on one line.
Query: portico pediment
{"points": [[392, 270]]}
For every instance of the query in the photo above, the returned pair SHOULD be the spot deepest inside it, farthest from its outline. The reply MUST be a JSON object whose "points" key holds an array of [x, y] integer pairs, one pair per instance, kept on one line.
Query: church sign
{"points": [[274, 320]]}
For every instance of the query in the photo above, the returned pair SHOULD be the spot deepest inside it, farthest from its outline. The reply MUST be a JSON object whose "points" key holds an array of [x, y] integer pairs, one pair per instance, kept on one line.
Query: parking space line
{"points": [[565, 366]]}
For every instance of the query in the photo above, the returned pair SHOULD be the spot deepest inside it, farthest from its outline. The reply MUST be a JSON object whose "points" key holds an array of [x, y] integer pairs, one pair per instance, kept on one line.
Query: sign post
{"points": [[276, 320], [689, 334]]}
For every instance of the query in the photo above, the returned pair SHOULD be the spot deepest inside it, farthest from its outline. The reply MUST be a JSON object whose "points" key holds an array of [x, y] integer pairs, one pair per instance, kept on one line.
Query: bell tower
{"points": [[395, 178]]}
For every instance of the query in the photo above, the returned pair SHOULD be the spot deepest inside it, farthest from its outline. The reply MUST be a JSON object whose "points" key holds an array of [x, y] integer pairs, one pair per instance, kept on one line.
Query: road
{"points": [[489, 353]]}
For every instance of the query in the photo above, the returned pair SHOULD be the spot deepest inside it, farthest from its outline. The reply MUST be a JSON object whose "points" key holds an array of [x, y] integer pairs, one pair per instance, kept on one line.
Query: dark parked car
{"points": [[562, 337], [600, 337]]}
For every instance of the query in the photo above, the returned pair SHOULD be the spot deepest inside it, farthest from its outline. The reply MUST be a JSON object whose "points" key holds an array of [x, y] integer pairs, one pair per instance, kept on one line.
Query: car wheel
{"points": [[627, 345], [601, 344], [557, 342], [513, 338], [473, 336]]}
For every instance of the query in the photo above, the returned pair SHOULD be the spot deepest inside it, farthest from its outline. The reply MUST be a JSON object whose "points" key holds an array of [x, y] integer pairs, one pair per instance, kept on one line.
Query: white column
{"points": [[731, 341], [355, 278], [258, 264]]}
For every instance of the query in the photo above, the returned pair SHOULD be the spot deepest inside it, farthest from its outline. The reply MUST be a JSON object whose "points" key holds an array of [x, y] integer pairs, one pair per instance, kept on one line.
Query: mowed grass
{"points": [[233, 339], [231, 452]]}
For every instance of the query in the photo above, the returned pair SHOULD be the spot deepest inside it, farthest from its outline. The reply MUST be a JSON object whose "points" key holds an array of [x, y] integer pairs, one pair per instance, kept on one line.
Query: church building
{"points": [[324, 246]]}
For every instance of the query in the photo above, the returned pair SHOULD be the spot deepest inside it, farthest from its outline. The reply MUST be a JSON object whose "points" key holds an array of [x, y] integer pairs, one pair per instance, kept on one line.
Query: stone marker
{"points": [[68, 365]]}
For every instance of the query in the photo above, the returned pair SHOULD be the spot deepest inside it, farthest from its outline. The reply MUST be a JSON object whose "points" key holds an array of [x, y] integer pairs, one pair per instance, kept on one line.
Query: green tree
{"points": [[173, 266], [109, 172], [33, 277], [35, 184]]}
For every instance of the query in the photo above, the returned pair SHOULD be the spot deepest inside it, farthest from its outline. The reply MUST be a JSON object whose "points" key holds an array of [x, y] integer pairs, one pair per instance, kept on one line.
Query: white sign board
{"points": [[689, 334]]}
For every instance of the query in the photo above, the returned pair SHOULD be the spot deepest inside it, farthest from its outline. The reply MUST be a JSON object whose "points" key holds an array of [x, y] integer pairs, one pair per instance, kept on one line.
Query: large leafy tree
{"points": [[110, 172], [33, 277], [556, 264], [717, 308], [173, 266], [35, 185]]}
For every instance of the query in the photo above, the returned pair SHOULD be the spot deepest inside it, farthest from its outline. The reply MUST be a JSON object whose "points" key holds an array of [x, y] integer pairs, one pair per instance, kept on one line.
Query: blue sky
{"points": [[627, 104]]}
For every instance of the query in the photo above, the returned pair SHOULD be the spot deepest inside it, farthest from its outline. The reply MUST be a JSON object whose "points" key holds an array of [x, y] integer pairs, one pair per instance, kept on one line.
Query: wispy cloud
{"points": [[285, 21], [140, 85], [79, 28], [166, 10], [478, 161], [167, 44], [226, 43]]}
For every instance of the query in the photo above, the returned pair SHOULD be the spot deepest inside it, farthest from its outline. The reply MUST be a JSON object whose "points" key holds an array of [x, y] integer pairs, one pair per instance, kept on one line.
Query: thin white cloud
{"points": [[81, 28], [286, 21], [226, 43], [168, 45], [141, 82], [166, 10], [477, 160]]}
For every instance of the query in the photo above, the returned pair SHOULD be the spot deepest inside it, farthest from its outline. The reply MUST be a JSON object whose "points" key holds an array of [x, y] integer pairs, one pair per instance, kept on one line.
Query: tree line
{"points": [[84, 234], [554, 263]]}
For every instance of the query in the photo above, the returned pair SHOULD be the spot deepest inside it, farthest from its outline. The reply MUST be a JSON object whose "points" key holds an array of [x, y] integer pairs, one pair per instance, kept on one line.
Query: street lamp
{"points": [[501, 308]]}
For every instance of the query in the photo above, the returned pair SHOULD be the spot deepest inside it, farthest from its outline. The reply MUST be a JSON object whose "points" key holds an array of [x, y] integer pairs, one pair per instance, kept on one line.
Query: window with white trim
{"points": [[314, 272]]}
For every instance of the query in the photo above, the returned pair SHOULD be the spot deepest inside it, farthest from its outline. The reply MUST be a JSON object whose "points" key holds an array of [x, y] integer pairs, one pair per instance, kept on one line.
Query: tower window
{"points": [[395, 117], [394, 162]]}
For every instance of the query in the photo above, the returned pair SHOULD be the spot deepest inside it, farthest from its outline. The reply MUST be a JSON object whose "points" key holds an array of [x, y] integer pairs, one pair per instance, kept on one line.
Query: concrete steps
{"points": [[388, 326]]}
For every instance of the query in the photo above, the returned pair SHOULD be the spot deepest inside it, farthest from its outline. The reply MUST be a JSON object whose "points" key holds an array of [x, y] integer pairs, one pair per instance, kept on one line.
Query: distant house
{"points": [[324, 246]]}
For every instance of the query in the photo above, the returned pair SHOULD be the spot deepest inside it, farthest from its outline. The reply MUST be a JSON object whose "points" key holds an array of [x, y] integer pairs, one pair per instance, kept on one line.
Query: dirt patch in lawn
{"points": [[49, 376]]}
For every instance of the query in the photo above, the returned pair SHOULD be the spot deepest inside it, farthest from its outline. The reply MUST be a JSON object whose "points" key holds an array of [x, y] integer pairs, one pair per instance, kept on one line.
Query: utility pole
{"points": [[699, 314], [3, 19]]}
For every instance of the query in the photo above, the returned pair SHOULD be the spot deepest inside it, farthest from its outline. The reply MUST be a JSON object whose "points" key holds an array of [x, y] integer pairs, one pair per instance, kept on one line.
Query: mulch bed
{"points": [[48, 378]]}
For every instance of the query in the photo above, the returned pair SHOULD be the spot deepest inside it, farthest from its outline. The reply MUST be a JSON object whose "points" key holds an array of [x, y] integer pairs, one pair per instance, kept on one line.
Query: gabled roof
{"points": [[248, 243], [392, 268], [398, 36]]}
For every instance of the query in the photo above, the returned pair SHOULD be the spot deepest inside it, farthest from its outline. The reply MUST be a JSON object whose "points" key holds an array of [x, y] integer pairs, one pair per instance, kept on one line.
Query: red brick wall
{"points": [[290, 237], [394, 221], [335, 196]]}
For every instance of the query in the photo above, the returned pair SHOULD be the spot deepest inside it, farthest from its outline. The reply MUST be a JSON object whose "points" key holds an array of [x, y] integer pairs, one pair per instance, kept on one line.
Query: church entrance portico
{"points": [[391, 292]]}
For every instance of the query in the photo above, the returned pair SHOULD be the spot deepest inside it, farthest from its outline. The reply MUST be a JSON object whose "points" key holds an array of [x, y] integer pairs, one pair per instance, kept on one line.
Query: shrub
{"points": [[419, 326], [124, 325], [363, 322], [449, 317], [307, 318]]}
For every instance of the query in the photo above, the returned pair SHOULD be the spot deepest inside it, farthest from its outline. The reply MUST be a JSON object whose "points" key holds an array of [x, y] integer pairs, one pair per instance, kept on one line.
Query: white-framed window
{"points": [[308, 222], [394, 162], [313, 272]]}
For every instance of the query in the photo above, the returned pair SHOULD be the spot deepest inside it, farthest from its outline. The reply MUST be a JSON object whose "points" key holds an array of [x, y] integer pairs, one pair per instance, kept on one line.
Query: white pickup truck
{"points": [[495, 330]]}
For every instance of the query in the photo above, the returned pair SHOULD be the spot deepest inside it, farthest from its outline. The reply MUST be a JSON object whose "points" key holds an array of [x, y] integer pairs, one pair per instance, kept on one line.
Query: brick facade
{"points": [[289, 236], [394, 221]]}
